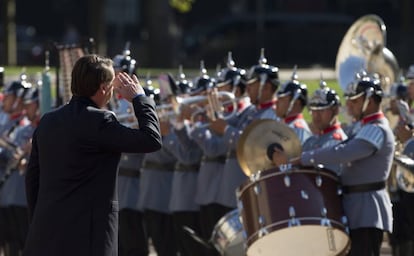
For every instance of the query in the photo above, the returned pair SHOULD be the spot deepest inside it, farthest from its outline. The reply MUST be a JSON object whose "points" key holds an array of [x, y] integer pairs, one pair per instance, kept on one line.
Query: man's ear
{"points": [[103, 87]]}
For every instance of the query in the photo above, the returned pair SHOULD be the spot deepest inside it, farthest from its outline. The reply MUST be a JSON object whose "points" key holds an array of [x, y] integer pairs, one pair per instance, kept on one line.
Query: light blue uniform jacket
{"points": [[300, 127], [365, 158], [326, 140], [184, 186], [129, 186], [210, 174], [14, 192], [233, 176], [156, 180]]}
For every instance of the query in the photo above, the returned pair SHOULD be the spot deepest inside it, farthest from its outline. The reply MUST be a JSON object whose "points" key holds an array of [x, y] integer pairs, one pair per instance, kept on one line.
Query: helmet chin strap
{"points": [[292, 101], [368, 94], [259, 93], [333, 119]]}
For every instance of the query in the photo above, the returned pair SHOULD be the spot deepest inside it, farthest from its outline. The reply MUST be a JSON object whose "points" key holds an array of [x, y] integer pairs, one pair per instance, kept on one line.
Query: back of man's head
{"points": [[89, 72]]}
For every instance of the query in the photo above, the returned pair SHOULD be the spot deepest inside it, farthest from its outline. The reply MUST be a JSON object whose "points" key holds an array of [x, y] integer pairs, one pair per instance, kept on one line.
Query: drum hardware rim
{"points": [[286, 180], [297, 171], [228, 216], [241, 189], [293, 222], [254, 236], [325, 222], [228, 240], [255, 176], [257, 190], [292, 212], [324, 212], [318, 180], [339, 191], [262, 232], [304, 195], [261, 220], [344, 220], [285, 167], [240, 205], [225, 219]]}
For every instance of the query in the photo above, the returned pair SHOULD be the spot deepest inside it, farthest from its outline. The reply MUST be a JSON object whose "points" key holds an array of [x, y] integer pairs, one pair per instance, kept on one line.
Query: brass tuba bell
{"points": [[364, 47]]}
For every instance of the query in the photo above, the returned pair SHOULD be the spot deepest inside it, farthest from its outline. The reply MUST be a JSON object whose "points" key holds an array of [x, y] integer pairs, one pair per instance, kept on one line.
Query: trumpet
{"points": [[166, 111], [213, 105]]}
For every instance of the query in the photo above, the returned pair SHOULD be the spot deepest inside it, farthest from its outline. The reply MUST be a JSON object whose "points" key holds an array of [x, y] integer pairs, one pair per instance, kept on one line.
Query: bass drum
{"points": [[297, 211], [227, 235]]}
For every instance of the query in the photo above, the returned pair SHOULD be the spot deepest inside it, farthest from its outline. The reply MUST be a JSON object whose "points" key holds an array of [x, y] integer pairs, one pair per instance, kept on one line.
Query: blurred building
{"points": [[163, 34]]}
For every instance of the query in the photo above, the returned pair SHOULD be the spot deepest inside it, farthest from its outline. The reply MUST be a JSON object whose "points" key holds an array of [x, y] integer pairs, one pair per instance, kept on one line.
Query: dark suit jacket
{"points": [[72, 172]]}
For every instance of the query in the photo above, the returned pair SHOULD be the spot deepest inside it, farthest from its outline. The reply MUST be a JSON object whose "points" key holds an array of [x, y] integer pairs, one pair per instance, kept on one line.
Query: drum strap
{"points": [[363, 187]]}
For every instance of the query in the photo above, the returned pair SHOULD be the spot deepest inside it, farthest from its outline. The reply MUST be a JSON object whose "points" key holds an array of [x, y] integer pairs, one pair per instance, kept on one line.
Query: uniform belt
{"points": [[232, 154], [158, 166], [187, 167], [364, 187], [129, 172], [217, 159]]}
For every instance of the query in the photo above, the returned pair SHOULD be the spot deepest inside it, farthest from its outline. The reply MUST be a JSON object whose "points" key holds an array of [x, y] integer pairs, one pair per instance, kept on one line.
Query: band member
{"points": [[13, 194], [410, 81], [324, 107], [156, 184], [11, 117], [72, 171], [132, 236], [262, 84], [402, 238], [366, 161], [12, 107], [292, 99], [232, 79], [185, 211], [212, 163]]}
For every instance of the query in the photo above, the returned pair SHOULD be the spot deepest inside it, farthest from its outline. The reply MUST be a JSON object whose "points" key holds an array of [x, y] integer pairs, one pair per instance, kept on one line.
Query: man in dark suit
{"points": [[72, 172]]}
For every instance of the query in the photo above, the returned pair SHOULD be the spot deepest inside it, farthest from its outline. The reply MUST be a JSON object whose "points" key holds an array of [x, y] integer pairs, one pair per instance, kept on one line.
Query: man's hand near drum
{"points": [[279, 157]]}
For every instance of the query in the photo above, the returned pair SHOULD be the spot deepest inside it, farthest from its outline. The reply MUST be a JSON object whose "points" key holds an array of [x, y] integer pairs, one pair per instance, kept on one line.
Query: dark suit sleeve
{"points": [[145, 139], [145, 111], [32, 177]]}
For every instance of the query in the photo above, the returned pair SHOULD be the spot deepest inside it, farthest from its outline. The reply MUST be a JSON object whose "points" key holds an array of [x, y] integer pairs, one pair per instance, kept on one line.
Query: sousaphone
{"points": [[253, 145], [364, 48]]}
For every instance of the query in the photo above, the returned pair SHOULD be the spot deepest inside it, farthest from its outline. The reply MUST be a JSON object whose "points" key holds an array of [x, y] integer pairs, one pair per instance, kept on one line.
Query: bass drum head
{"points": [[311, 240], [296, 212]]}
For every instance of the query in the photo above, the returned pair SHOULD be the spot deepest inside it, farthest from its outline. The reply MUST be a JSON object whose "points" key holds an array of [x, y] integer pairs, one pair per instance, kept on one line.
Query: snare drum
{"points": [[227, 235], [293, 212]]}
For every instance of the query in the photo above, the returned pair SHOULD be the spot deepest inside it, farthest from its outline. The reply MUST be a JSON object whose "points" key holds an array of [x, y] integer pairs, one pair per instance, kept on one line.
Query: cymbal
{"points": [[257, 137]]}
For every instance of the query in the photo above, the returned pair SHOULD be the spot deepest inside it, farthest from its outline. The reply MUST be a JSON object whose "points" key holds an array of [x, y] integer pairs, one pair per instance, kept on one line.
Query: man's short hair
{"points": [[89, 72]]}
